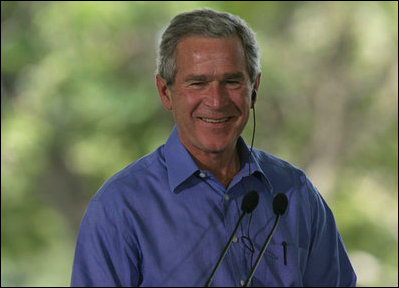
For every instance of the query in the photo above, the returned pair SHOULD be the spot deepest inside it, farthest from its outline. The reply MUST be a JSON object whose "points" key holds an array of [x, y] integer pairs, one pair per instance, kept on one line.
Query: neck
{"points": [[223, 165]]}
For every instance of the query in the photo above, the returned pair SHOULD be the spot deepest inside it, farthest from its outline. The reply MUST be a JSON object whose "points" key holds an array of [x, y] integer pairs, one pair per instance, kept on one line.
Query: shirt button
{"points": [[202, 175], [242, 282], [226, 197], [235, 239]]}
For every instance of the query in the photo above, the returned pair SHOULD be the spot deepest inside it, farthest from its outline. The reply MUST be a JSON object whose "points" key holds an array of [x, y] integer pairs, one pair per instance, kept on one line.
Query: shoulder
{"points": [[277, 168], [286, 178], [131, 179]]}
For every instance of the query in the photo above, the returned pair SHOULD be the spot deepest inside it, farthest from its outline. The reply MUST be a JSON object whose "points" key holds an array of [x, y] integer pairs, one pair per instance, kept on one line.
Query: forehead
{"points": [[204, 53]]}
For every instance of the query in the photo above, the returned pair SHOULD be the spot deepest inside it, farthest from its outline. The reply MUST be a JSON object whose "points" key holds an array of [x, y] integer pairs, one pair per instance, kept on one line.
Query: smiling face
{"points": [[210, 96]]}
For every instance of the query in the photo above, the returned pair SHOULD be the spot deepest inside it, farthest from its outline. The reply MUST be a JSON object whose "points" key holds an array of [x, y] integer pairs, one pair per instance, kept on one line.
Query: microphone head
{"points": [[280, 203], [250, 201]]}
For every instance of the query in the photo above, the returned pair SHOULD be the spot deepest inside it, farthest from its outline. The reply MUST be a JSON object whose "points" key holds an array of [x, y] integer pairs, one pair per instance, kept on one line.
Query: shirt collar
{"points": [[256, 170], [179, 163], [181, 166]]}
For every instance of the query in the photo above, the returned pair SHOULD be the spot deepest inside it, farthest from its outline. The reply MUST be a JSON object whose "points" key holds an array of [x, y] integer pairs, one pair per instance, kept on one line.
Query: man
{"points": [[164, 219]]}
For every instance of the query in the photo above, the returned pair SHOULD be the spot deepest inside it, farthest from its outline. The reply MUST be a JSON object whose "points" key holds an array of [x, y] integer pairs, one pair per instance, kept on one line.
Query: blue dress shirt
{"points": [[162, 221]]}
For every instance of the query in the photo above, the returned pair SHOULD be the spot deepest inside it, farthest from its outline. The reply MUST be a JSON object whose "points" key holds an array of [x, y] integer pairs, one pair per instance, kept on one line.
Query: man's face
{"points": [[210, 97]]}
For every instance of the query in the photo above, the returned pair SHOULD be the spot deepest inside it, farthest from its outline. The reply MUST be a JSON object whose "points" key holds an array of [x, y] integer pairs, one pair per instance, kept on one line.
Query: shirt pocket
{"points": [[281, 265]]}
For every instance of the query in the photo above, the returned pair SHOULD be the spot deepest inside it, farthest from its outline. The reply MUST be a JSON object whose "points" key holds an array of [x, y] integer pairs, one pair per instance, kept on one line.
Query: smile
{"points": [[210, 120]]}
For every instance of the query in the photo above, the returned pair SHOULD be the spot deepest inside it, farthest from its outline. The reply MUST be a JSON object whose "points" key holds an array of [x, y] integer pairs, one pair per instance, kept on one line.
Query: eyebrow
{"points": [[195, 77], [237, 75], [201, 77]]}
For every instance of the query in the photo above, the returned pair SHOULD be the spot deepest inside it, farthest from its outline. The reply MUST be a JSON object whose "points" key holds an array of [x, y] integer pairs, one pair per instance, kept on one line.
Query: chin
{"points": [[215, 146]]}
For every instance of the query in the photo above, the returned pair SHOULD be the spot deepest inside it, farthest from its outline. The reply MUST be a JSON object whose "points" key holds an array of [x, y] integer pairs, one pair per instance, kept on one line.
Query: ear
{"points": [[255, 89], [164, 92]]}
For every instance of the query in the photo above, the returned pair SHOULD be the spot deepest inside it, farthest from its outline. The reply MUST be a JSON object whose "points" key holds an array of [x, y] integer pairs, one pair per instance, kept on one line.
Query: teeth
{"points": [[215, 120]]}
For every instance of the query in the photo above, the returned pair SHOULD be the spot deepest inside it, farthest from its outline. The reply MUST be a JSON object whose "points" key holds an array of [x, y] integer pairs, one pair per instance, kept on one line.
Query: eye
{"points": [[233, 83], [197, 83]]}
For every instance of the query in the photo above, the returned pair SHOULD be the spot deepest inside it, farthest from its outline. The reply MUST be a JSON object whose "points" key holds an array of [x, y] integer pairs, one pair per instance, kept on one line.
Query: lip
{"points": [[216, 122]]}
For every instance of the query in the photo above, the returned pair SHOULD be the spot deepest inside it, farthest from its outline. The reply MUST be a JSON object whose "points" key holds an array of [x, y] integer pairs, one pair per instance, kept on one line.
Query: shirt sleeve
{"points": [[328, 262], [105, 256]]}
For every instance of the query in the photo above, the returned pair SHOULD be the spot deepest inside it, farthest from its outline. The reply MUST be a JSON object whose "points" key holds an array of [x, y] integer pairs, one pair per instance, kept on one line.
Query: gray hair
{"points": [[209, 23]]}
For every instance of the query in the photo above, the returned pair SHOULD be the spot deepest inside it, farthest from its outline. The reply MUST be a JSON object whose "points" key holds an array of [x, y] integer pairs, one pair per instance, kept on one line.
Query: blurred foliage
{"points": [[78, 103]]}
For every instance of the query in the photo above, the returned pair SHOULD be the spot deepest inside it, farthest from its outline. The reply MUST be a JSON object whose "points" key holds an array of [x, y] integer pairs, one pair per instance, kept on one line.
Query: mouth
{"points": [[215, 121]]}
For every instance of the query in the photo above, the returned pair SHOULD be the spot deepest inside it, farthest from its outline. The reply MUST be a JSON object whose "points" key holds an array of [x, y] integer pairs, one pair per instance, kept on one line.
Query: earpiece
{"points": [[253, 99], [253, 96]]}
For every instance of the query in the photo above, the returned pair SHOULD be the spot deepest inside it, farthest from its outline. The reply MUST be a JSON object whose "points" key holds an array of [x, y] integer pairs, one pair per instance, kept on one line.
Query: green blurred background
{"points": [[78, 103]]}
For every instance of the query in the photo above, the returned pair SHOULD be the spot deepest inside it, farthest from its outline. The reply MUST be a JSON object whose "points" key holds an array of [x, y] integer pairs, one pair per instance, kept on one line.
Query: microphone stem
{"points": [[249, 279], [226, 248]]}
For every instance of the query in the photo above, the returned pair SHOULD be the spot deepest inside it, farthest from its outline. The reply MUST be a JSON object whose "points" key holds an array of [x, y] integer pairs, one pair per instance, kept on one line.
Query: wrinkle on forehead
{"points": [[211, 56]]}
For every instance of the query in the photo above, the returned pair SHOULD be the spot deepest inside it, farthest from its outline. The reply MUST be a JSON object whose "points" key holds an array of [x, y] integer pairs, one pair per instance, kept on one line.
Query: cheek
{"points": [[182, 107], [186, 104], [242, 102]]}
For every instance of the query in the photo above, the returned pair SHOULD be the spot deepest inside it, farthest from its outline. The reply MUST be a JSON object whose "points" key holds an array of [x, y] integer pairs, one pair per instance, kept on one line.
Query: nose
{"points": [[216, 96]]}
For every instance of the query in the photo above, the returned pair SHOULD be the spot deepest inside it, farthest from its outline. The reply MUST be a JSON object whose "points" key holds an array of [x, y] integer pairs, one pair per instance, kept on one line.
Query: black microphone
{"points": [[280, 203], [248, 204]]}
